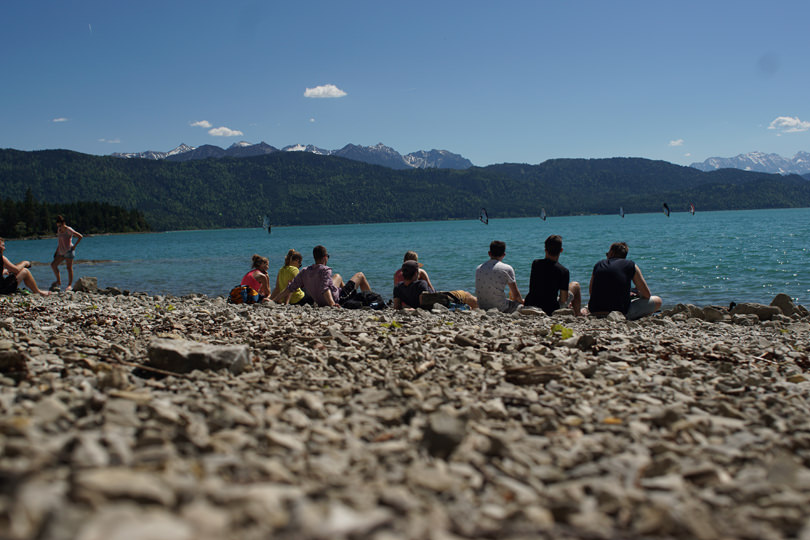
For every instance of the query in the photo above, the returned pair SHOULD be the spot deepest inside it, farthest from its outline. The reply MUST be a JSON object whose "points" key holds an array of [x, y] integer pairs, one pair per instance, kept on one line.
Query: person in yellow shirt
{"points": [[292, 264]]}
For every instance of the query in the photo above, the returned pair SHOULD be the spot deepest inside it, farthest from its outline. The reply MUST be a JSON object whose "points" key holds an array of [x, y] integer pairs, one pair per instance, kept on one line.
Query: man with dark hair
{"points": [[490, 279], [407, 293], [318, 282], [610, 286], [549, 288]]}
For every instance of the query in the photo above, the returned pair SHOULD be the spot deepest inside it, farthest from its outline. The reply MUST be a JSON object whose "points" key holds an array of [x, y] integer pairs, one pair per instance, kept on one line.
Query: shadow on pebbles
{"points": [[141, 417]]}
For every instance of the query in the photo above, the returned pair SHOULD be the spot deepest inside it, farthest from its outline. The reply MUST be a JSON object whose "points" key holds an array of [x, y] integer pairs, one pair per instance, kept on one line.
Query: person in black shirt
{"points": [[406, 294], [549, 288], [610, 286]]}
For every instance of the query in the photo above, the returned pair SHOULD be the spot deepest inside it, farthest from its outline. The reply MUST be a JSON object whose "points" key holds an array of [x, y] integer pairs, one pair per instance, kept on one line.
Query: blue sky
{"points": [[507, 81]]}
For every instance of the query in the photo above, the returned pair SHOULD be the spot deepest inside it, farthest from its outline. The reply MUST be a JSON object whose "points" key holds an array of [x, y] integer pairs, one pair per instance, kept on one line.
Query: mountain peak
{"points": [[759, 162], [379, 154]]}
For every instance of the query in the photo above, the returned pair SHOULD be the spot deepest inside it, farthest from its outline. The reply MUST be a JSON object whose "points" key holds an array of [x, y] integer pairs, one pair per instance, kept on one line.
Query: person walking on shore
{"points": [[11, 275], [610, 286], [492, 277], [549, 288], [65, 251]]}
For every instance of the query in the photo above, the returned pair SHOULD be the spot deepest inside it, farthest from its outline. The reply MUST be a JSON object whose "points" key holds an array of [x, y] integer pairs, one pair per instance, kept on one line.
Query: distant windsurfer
{"points": [[483, 217], [666, 209]]}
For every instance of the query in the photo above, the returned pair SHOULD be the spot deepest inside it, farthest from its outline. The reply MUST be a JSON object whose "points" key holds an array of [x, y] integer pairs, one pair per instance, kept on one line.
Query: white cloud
{"points": [[788, 124], [688, 154], [202, 123], [60, 119], [110, 141], [224, 132], [325, 91], [676, 142]]}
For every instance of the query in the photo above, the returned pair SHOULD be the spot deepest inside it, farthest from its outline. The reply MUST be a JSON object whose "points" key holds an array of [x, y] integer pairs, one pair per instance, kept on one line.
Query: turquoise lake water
{"points": [[706, 258]]}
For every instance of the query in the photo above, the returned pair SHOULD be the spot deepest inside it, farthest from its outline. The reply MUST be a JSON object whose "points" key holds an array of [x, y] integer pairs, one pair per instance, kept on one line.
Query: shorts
{"points": [[69, 254], [8, 284], [640, 307], [347, 291], [511, 306], [305, 300]]}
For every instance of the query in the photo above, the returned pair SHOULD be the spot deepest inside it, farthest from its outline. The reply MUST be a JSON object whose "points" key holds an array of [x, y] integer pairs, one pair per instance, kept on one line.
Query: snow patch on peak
{"points": [[759, 162], [240, 144]]}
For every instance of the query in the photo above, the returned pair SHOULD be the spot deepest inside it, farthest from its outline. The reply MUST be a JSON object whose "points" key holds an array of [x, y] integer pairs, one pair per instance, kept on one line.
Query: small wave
{"points": [[78, 261]]}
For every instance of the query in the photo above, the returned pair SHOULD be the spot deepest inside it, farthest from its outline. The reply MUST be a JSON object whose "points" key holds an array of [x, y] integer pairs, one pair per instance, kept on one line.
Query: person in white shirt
{"points": [[492, 277]]}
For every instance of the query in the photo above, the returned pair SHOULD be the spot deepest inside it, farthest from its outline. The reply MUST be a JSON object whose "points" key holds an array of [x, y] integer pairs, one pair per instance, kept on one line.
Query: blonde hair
{"points": [[292, 255], [258, 260]]}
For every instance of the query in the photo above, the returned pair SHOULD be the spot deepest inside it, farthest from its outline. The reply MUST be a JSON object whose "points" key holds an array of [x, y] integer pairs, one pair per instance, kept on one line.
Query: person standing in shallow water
{"points": [[65, 251], [11, 275]]}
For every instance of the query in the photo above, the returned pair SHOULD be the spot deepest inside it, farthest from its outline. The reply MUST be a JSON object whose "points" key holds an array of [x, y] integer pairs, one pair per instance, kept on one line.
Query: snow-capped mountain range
{"points": [[759, 162], [376, 155]]}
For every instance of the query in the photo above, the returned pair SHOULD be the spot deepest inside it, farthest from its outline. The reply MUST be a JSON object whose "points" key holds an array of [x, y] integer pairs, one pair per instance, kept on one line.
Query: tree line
{"points": [[297, 188], [28, 217]]}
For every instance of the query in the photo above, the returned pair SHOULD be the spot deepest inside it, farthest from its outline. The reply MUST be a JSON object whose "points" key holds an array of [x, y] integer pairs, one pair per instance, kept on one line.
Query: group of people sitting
{"points": [[616, 284], [313, 285]]}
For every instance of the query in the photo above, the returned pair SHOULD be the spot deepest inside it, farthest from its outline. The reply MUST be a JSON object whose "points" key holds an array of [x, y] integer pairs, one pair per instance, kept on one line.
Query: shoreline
{"points": [[398, 425]]}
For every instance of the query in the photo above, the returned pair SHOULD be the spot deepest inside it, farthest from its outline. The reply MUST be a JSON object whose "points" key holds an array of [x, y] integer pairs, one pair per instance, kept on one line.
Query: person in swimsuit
{"points": [[11, 275], [65, 251], [292, 264], [257, 278]]}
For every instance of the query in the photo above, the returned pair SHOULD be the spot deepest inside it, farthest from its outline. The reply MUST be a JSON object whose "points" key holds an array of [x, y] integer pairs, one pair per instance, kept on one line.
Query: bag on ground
{"points": [[243, 294]]}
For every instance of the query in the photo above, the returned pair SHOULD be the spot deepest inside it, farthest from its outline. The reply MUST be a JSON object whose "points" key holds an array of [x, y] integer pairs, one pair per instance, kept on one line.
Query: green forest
{"points": [[297, 188], [27, 218]]}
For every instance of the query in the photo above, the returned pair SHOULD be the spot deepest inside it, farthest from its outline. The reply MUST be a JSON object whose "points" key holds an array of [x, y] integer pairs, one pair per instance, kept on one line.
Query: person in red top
{"points": [[257, 278]]}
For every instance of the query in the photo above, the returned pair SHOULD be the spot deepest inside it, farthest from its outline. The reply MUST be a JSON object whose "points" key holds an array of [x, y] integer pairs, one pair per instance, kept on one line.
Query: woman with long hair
{"points": [[292, 265], [257, 278]]}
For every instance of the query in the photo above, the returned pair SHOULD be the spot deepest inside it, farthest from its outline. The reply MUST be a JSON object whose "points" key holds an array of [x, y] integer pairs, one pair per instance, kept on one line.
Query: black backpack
{"points": [[364, 299]]}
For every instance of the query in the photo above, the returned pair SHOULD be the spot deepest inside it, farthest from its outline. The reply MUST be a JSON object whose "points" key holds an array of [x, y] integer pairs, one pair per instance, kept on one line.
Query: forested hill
{"points": [[297, 188]]}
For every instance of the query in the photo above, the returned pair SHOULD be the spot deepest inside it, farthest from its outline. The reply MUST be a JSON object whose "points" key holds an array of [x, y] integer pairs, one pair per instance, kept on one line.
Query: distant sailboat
{"points": [[543, 214], [621, 211], [666, 209], [483, 217], [266, 224], [692, 208]]}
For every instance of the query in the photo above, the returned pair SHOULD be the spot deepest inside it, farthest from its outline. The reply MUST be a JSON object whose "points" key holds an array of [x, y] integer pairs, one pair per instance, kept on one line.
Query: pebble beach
{"points": [[151, 417]]}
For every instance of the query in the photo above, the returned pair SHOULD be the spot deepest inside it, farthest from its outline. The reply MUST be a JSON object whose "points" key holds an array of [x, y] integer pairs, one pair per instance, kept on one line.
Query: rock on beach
{"points": [[144, 416]]}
